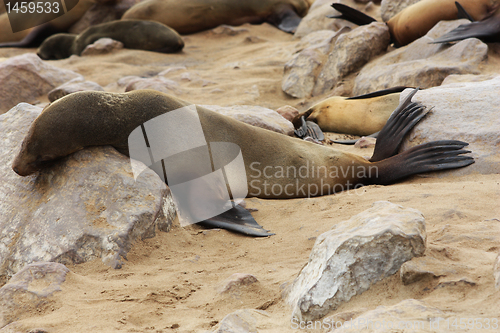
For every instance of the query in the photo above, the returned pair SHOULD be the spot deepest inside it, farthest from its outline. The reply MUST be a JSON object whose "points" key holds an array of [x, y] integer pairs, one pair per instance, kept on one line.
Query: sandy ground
{"points": [[169, 283]]}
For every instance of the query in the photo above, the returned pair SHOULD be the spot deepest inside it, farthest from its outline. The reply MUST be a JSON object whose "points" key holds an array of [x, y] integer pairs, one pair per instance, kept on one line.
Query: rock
{"points": [[241, 321], [421, 64], [352, 51], [228, 30], [102, 46], [29, 289], [166, 86], [78, 84], [26, 77], [409, 315], [302, 70], [389, 8], [86, 206], [458, 115], [425, 267], [455, 78], [355, 254], [255, 116], [365, 142], [320, 39], [288, 112], [316, 19], [236, 281]]}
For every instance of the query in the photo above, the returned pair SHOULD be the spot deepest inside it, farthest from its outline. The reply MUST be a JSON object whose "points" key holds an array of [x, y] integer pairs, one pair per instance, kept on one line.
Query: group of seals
{"points": [[190, 16], [416, 20], [134, 34]]}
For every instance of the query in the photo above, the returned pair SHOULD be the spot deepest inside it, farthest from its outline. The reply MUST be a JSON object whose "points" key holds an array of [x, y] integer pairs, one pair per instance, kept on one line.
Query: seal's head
{"points": [[58, 46]]}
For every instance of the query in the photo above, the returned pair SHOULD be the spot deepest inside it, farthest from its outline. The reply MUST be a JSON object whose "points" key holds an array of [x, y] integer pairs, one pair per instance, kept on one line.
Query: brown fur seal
{"points": [[416, 20], [277, 166], [360, 115], [35, 36], [190, 16], [134, 34]]}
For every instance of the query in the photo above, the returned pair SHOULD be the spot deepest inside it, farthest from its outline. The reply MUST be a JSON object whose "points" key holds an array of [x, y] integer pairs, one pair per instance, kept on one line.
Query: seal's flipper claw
{"points": [[237, 219], [352, 15], [462, 13]]}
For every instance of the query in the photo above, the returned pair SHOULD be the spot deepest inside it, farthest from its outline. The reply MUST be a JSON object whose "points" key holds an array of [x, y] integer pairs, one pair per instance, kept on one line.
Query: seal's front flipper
{"points": [[237, 219], [431, 156], [401, 121], [462, 13], [309, 129], [352, 15], [285, 19], [487, 30]]}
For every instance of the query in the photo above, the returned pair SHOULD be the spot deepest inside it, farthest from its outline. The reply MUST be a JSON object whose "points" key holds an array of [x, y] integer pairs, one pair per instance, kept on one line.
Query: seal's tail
{"points": [[352, 15], [432, 156]]}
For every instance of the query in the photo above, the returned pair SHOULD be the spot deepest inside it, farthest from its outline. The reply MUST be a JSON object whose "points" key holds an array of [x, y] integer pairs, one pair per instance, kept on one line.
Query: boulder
{"points": [[102, 46], [87, 205], [26, 77], [355, 254], [389, 8], [78, 84], [421, 64], [465, 111]]}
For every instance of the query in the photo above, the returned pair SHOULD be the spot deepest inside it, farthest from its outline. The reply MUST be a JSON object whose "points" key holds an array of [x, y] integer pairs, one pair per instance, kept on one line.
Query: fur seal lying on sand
{"points": [[359, 115], [276, 165], [35, 36], [416, 20], [134, 34], [190, 16]]}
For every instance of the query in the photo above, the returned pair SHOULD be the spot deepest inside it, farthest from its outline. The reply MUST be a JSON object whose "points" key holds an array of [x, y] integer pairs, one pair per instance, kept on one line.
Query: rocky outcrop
{"points": [[355, 254], [421, 64], [75, 85], [85, 206]]}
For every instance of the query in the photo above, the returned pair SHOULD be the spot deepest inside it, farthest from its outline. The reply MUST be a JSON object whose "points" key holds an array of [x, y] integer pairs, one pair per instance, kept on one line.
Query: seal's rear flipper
{"points": [[352, 15], [382, 92], [462, 13], [237, 219], [401, 121], [487, 30], [432, 156], [309, 129], [35, 37]]}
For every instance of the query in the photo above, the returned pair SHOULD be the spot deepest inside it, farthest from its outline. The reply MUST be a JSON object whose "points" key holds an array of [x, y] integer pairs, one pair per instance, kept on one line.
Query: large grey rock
{"points": [[355, 254], [421, 64], [389, 8], [467, 111], [26, 77], [410, 315], [29, 289], [256, 116], [86, 206], [75, 85], [302, 70], [352, 51]]}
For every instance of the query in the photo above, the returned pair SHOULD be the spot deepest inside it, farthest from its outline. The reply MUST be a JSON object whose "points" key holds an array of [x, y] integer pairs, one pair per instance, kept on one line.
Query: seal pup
{"points": [[191, 16], [275, 164], [416, 20], [134, 34], [35, 36], [360, 115]]}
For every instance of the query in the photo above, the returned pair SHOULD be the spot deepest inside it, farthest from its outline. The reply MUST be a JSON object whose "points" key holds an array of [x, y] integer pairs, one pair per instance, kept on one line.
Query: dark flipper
{"points": [[382, 92], [309, 129], [432, 156], [352, 142], [487, 30], [462, 13], [237, 219], [351, 14], [401, 121], [285, 19]]}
